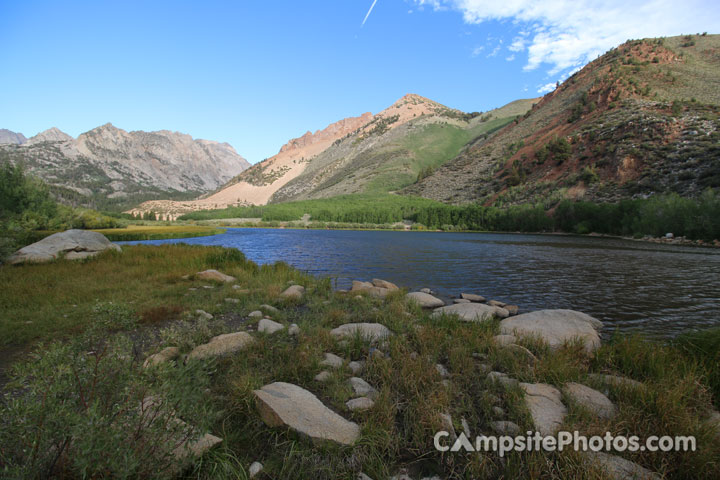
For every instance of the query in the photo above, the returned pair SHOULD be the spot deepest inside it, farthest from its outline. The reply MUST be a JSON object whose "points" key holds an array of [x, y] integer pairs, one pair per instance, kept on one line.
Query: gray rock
{"points": [[362, 476], [447, 425], [496, 303], [465, 427], [284, 404], [502, 378], [504, 427], [590, 399], [502, 340], [460, 300], [498, 411], [442, 370], [269, 327], [427, 290], [214, 276], [164, 355], [370, 289], [555, 327], [618, 468], [255, 314], [472, 297], [512, 309], [615, 381], [362, 388], [73, 244], [232, 300], [545, 405], [425, 300], [472, 312], [370, 331], [361, 403], [356, 367], [203, 314], [384, 284], [332, 360], [196, 448], [293, 291], [269, 308], [322, 376], [254, 469], [222, 345], [293, 329]]}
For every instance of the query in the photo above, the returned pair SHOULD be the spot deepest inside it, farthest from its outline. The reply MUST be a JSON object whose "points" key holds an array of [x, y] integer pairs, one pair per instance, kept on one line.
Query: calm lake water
{"points": [[660, 290]]}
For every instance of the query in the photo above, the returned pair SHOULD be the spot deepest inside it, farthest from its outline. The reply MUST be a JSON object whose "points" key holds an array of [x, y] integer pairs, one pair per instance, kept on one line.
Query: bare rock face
{"points": [[425, 300], [590, 399], [372, 331], [555, 327], [72, 244], [222, 345], [50, 135], [284, 404], [472, 312], [10, 137], [546, 408]]}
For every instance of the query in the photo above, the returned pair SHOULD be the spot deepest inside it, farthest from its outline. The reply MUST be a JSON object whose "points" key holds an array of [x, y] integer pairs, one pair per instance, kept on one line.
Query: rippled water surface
{"points": [[660, 290]]}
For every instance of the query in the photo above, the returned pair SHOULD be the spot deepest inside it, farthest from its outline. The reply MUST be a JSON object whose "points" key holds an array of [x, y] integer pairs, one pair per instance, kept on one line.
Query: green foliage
{"points": [[88, 409]]}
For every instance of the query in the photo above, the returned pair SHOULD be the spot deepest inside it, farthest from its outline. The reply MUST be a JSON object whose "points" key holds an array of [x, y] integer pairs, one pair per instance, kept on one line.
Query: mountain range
{"points": [[108, 167], [642, 119]]}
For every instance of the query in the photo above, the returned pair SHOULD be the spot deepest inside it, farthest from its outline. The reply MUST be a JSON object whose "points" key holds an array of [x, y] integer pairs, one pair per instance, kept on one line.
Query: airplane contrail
{"points": [[369, 12]]}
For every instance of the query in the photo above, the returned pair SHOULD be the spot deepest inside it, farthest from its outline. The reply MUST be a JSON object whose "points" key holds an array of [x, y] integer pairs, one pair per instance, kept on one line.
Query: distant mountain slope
{"points": [[641, 119], [366, 154], [110, 168], [7, 136]]}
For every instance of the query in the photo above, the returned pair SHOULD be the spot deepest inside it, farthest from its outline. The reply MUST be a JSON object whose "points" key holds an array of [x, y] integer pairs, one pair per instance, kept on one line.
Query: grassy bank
{"points": [[142, 290], [694, 218]]}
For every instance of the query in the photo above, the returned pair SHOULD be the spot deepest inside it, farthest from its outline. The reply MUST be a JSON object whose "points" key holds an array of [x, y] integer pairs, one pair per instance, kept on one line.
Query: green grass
{"points": [[398, 431]]}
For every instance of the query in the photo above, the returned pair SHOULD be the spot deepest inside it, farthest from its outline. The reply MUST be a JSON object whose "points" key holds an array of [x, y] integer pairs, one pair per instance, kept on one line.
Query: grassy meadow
{"points": [[70, 311]]}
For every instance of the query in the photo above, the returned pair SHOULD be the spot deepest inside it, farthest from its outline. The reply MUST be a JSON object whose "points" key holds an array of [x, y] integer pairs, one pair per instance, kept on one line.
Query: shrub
{"points": [[88, 409]]}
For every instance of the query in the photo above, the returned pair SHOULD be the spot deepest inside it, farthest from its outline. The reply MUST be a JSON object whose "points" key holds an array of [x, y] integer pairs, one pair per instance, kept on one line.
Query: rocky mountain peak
{"points": [[329, 133], [53, 134], [10, 137]]}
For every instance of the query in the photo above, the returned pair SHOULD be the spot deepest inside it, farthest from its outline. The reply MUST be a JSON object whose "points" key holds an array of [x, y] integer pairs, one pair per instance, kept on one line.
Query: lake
{"points": [[657, 289]]}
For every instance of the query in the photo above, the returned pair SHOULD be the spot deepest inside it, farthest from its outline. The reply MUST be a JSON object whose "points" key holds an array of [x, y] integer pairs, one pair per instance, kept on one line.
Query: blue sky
{"points": [[257, 73]]}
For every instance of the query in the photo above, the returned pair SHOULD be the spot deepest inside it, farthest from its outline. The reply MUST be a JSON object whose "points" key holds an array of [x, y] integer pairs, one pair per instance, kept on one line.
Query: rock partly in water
{"points": [[472, 297], [545, 405], [618, 468], [590, 399], [164, 355], [72, 244], [361, 403], [293, 291], [284, 404], [215, 276], [555, 327], [222, 345], [512, 309], [472, 312], [425, 300], [269, 327], [369, 331], [460, 300]]}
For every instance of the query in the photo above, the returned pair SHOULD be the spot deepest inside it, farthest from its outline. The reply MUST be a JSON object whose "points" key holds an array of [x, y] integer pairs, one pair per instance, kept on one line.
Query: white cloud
{"points": [[477, 51], [495, 51], [548, 87], [510, 58], [569, 33]]}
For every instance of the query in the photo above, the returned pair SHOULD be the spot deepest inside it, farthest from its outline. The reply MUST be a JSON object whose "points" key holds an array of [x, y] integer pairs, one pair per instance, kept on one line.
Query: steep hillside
{"points": [[110, 168], [367, 154], [641, 119]]}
